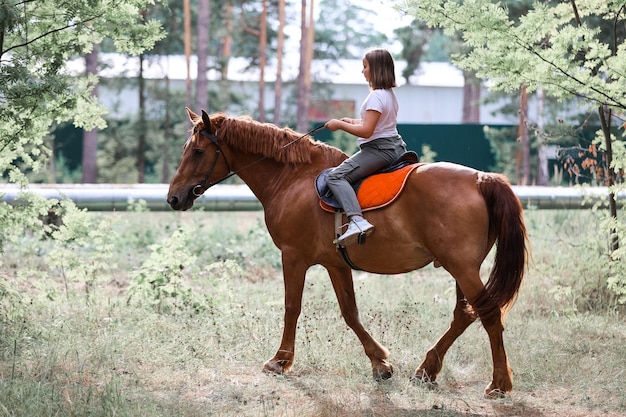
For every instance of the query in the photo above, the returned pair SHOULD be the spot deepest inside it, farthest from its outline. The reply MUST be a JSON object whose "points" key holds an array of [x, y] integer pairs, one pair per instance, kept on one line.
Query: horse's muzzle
{"points": [[174, 203], [177, 203]]}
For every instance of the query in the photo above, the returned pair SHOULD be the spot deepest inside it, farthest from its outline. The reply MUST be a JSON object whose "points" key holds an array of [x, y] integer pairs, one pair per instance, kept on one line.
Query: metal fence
{"points": [[117, 197]]}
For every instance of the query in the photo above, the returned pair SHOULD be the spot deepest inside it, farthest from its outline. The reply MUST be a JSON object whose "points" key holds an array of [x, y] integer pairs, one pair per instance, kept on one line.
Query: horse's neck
{"points": [[266, 177], [269, 178]]}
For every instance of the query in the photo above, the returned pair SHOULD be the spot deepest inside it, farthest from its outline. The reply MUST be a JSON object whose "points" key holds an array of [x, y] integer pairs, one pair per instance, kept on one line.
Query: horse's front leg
{"points": [[294, 272], [341, 279]]}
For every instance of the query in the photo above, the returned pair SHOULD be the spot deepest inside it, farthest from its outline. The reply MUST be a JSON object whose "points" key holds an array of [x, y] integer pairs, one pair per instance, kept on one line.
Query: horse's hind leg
{"points": [[462, 317], [491, 318], [341, 279]]}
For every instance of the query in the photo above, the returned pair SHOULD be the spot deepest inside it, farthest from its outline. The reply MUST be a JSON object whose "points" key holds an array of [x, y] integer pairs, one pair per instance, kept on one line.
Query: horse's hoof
{"points": [[423, 379], [495, 394], [271, 367], [383, 372]]}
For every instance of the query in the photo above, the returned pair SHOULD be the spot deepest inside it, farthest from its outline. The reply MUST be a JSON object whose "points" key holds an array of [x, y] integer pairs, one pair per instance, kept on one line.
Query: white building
{"points": [[434, 95]]}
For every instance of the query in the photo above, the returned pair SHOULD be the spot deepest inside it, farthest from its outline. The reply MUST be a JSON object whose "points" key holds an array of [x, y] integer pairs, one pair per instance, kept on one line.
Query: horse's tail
{"points": [[506, 223]]}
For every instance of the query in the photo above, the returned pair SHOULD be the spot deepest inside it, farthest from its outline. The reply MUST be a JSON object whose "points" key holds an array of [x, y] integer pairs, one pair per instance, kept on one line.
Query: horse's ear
{"points": [[192, 116], [206, 120]]}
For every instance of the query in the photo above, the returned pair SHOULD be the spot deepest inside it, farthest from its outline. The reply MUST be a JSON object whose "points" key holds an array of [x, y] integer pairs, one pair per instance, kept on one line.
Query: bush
{"points": [[160, 280]]}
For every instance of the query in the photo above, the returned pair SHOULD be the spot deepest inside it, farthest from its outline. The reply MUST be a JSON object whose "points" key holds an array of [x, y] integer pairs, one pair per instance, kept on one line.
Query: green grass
{"points": [[65, 353]]}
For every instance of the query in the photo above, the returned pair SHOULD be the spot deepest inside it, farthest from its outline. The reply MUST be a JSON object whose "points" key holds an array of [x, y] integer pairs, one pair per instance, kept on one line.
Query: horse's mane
{"points": [[282, 144]]}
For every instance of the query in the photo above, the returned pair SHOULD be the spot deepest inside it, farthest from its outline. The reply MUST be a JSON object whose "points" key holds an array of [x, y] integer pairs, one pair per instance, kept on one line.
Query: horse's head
{"points": [[201, 163]]}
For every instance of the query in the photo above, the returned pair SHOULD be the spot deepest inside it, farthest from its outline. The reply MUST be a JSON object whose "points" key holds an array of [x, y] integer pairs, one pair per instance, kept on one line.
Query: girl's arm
{"points": [[363, 130]]}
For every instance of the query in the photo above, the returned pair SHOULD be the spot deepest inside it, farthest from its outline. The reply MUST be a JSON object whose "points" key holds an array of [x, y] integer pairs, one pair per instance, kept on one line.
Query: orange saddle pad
{"points": [[379, 190]]}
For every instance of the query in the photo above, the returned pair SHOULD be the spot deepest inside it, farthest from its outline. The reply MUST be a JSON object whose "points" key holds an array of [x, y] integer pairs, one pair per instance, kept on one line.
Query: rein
{"points": [[199, 189]]}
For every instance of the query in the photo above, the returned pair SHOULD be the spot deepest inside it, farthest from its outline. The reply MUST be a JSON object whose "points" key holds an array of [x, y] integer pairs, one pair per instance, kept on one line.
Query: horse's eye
{"points": [[198, 151]]}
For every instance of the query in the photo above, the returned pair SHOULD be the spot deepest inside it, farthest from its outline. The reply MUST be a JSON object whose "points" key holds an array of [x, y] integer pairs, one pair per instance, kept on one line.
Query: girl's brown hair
{"points": [[382, 68]]}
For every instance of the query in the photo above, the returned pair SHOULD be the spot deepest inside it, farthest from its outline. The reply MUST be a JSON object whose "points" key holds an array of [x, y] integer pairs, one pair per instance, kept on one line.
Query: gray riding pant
{"points": [[373, 156]]}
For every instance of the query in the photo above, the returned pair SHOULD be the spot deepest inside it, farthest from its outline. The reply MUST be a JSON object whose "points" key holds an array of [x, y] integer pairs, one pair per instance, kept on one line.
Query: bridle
{"points": [[199, 189]]}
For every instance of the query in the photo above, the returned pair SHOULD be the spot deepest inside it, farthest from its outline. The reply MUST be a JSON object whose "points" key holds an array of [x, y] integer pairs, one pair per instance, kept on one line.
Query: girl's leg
{"points": [[363, 163]]}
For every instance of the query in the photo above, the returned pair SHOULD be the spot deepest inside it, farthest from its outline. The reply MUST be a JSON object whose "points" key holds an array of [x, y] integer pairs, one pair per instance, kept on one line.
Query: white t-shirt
{"points": [[384, 102]]}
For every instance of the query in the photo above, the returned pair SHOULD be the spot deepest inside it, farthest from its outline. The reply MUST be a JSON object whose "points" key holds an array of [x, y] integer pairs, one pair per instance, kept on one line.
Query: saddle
{"points": [[374, 191]]}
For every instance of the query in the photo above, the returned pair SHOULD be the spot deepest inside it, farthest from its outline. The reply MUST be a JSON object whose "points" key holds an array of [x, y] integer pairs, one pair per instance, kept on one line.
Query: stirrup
{"points": [[355, 233]]}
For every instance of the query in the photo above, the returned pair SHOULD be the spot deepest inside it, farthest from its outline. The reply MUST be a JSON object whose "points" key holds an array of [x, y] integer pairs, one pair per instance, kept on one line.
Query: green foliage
{"points": [[63, 173], [75, 247], [38, 91], [38, 39], [117, 144], [88, 253], [160, 282], [505, 147], [168, 280], [264, 253], [138, 206], [539, 50], [608, 290], [24, 219], [11, 308], [427, 154], [614, 270], [571, 50], [343, 31], [253, 248], [414, 39], [570, 260], [83, 248]]}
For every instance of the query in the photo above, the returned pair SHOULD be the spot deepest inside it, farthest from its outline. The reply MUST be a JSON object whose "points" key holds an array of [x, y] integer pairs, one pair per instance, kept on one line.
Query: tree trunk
{"points": [[141, 137], [167, 129], [605, 121], [167, 133], [278, 85], [52, 170], [304, 77], [471, 98], [187, 41], [227, 41], [262, 60], [523, 157], [225, 53], [202, 82], [542, 153], [90, 138]]}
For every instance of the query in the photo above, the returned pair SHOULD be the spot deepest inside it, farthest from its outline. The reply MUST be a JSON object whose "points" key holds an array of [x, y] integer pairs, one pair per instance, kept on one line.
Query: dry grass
{"points": [[104, 358]]}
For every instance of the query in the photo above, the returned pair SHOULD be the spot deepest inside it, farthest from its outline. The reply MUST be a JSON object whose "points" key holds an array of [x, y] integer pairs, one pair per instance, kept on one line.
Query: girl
{"points": [[378, 139]]}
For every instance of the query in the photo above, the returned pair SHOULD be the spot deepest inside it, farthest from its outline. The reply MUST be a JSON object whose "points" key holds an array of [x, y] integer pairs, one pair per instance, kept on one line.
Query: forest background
{"points": [[143, 147], [563, 53]]}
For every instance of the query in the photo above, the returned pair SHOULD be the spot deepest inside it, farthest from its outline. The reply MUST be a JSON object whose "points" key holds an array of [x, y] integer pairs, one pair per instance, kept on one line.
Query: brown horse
{"points": [[448, 214]]}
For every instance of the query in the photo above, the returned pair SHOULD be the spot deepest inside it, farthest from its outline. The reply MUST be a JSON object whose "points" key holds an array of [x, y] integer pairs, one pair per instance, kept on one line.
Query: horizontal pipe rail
{"points": [[117, 197], [563, 197]]}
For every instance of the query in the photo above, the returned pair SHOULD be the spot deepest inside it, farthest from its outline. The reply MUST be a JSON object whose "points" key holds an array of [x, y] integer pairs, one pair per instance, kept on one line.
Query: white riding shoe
{"points": [[358, 229]]}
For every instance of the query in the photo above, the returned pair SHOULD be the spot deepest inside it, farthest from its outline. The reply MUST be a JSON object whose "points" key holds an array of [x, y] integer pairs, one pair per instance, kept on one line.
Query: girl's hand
{"points": [[333, 124], [343, 123], [354, 126]]}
